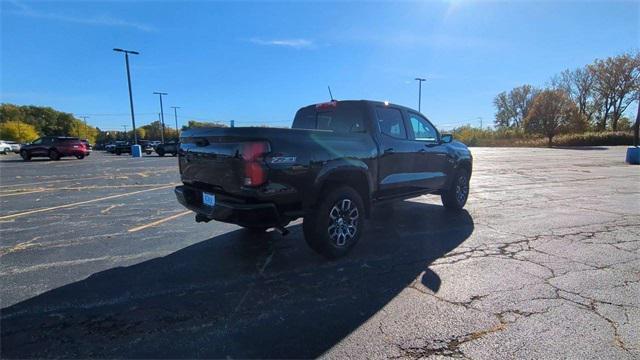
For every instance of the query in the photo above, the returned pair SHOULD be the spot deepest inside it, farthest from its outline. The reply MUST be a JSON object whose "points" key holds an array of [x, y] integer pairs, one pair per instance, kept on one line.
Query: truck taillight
{"points": [[254, 172]]}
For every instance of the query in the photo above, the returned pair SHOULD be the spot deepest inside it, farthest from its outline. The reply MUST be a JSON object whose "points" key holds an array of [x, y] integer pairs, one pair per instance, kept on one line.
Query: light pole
{"points": [[133, 117], [161, 111], [85, 125], [420, 80], [175, 114], [125, 131]]}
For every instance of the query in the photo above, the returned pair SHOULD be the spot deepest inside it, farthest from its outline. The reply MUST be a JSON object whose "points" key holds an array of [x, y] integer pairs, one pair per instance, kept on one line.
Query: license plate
{"points": [[208, 199]]}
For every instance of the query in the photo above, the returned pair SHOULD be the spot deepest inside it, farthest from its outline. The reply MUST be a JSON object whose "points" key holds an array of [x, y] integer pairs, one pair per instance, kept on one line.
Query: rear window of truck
{"points": [[344, 117]]}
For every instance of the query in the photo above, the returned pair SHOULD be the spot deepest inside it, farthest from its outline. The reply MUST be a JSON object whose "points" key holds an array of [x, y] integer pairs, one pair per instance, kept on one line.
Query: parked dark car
{"points": [[170, 147], [338, 160], [125, 148], [54, 147]]}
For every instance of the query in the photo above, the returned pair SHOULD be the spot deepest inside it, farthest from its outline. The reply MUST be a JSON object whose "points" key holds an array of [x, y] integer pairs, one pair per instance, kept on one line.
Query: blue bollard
{"points": [[136, 151], [633, 155]]}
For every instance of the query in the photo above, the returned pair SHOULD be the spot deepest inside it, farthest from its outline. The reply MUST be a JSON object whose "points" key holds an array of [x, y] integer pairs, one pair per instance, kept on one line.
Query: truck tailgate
{"points": [[212, 162]]}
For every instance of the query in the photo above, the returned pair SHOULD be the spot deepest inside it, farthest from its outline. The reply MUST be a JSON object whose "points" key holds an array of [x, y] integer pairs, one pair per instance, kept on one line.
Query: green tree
{"points": [[17, 131], [47, 121], [553, 113]]}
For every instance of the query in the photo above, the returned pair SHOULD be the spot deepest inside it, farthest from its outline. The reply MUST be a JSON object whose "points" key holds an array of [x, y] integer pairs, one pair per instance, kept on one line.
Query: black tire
{"points": [[25, 155], [456, 196], [54, 154], [148, 152], [336, 224], [80, 157], [174, 154], [118, 152], [160, 152]]}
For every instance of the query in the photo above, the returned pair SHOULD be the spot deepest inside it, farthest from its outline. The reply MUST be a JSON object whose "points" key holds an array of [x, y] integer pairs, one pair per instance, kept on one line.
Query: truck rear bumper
{"points": [[250, 215]]}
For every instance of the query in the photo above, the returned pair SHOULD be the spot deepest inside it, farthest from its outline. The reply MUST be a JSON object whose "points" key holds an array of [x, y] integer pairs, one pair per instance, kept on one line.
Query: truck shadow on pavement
{"points": [[237, 295]]}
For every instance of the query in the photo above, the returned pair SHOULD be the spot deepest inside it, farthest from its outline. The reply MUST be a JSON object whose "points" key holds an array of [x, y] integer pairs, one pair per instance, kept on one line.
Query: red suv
{"points": [[55, 147]]}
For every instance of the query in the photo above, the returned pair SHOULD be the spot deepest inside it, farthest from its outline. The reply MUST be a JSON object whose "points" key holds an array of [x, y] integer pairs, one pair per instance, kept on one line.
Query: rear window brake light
{"points": [[327, 105]]}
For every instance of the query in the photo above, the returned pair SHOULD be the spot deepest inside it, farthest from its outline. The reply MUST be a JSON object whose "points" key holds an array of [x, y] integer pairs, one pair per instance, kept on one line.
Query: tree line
{"points": [[26, 123], [590, 98]]}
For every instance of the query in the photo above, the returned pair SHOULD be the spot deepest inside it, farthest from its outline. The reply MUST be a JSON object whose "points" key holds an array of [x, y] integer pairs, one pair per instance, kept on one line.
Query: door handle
{"points": [[388, 151]]}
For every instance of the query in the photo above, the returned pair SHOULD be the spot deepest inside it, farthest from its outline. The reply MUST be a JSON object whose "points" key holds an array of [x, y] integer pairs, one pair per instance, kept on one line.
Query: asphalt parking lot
{"points": [[97, 259]]}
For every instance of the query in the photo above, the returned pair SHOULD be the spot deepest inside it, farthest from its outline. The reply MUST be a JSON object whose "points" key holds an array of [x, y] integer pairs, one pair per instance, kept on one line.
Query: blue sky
{"points": [[259, 62]]}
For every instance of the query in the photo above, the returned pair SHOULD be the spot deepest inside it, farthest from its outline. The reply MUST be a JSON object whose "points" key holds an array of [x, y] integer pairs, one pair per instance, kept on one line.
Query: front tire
{"points": [[456, 196], [54, 154], [80, 157], [160, 152], [335, 226], [25, 155]]}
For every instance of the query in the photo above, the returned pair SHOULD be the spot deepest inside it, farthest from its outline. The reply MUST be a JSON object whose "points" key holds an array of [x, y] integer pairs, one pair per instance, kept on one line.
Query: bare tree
{"points": [[579, 85], [514, 106], [616, 83]]}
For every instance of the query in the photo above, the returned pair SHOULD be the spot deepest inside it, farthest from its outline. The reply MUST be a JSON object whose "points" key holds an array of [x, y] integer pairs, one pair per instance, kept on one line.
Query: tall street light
{"points": [[85, 125], [175, 114], [133, 117], [161, 111], [420, 80]]}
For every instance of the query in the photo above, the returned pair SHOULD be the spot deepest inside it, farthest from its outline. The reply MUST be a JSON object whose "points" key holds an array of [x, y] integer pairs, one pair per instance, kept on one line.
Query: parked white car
{"points": [[5, 147]]}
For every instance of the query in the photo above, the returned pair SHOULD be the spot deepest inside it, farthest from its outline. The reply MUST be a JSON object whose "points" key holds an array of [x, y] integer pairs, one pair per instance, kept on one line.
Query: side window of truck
{"points": [[422, 129], [390, 122]]}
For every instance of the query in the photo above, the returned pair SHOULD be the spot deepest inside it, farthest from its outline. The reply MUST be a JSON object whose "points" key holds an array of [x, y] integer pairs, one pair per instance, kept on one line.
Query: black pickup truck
{"points": [[338, 160]]}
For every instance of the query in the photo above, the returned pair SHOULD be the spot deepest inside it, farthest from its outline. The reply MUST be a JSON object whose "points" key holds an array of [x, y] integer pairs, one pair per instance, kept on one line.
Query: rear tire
{"points": [[54, 154], [118, 152], [456, 196], [160, 152], [80, 157], [25, 155], [335, 226]]}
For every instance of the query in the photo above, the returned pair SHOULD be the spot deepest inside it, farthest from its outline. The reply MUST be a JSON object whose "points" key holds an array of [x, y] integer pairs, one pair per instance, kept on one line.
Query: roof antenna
{"points": [[330, 94]]}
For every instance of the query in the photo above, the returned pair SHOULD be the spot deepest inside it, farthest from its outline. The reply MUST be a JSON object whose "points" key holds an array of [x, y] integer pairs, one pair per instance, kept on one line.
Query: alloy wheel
{"points": [[462, 189], [343, 222]]}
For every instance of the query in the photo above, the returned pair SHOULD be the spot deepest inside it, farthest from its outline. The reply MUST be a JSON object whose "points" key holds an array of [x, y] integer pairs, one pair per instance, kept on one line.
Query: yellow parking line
{"points": [[77, 188], [80, 203], [158, 222], [57, 181], [23, 192]]}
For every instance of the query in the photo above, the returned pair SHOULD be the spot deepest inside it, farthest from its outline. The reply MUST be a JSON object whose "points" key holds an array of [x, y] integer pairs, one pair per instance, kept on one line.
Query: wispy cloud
{"points": [[22, 9], [290, 43]]}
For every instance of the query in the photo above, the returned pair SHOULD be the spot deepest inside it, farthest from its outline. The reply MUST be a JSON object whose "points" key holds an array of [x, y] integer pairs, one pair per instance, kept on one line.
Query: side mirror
{"points": [[446, 138]]}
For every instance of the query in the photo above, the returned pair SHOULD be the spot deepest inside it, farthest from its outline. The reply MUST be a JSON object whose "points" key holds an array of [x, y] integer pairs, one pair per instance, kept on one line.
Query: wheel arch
{"points": [[349, 172]]}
